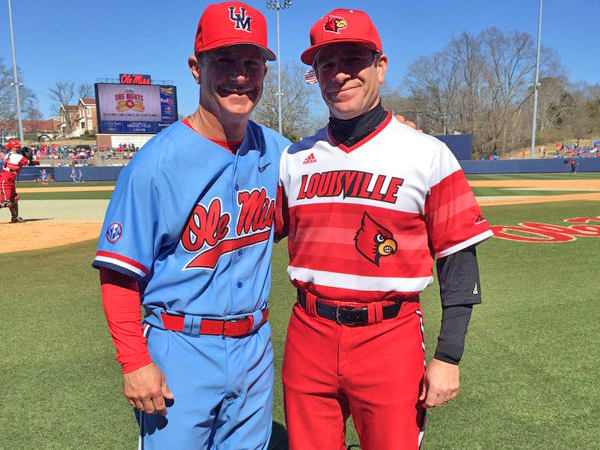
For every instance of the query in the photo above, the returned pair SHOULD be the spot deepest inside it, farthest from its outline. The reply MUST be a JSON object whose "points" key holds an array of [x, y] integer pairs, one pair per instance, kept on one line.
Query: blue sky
{"points": [[89, 39]]}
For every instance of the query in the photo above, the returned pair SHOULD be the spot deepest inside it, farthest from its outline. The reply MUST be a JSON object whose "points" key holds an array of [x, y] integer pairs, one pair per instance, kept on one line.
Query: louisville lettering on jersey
{"points": [[349, 183], [210, 226]]}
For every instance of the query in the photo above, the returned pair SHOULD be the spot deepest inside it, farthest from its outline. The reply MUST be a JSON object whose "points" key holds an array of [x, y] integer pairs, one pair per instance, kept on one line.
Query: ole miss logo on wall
{"points": [[545, 232]]}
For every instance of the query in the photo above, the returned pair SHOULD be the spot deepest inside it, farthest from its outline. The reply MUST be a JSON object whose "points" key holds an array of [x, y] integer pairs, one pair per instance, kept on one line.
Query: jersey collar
{"points": [[363, 141]]}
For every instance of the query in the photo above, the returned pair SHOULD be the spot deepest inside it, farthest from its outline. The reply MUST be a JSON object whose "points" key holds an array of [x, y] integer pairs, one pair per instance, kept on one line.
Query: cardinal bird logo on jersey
{"points": [[335, 24], [373, 240]]}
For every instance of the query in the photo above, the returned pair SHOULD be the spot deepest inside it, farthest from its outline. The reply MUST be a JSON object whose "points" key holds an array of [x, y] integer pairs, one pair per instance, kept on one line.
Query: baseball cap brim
{"points": [[309, 54], [268, 54]]}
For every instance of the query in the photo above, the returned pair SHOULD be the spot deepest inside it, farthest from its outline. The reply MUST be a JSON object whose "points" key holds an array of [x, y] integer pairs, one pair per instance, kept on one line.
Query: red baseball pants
{"points": [[7, 190], [372, 372]]}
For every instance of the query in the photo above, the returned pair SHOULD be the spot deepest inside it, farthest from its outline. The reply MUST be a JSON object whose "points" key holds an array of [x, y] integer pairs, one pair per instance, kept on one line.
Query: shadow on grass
{"points": [[279, 440], [29, 220]]}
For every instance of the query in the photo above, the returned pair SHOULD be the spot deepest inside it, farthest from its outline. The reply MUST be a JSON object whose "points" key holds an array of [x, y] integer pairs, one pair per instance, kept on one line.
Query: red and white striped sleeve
{"points": [[453, 216]]}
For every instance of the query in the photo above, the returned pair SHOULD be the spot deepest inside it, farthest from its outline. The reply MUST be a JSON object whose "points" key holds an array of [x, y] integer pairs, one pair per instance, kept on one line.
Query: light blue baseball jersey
{"points": [[193, 223]]}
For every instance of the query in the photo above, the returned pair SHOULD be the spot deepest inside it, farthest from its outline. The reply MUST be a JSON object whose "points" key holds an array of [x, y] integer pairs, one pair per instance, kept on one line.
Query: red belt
{"points": [[230, 328]]}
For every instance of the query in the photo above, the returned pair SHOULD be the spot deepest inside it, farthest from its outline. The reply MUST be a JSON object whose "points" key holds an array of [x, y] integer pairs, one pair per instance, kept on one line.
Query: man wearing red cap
{"points": [[13, 162], [188, 233], [367, 204]]}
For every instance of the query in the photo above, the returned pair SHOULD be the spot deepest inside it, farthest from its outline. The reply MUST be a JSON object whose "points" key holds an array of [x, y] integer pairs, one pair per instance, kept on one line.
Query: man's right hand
{"points": [[400, 118], [146, 389]]}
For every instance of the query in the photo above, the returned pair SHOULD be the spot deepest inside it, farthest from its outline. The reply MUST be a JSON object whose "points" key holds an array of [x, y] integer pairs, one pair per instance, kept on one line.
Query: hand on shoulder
{"points": [[400, 118]]}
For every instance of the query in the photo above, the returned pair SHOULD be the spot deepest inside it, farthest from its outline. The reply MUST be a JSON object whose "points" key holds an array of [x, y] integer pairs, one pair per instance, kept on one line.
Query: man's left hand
{"points": [[440, 383]]}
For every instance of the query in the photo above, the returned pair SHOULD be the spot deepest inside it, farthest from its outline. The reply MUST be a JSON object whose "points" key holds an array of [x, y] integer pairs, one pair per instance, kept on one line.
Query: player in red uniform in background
{"points": [[13, 162], [368, 204]]}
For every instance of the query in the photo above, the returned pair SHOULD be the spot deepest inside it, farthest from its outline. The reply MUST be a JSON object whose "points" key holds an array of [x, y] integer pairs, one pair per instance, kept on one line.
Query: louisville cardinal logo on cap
{"points": [[334, 24], [342, 25]]}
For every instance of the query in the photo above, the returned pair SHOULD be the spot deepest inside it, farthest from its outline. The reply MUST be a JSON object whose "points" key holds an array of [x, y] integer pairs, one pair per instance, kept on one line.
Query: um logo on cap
{"points": [[242, 22]]}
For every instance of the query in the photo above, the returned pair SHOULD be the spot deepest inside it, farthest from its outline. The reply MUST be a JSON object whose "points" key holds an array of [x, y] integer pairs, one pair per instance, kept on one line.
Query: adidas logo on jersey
{"points": [[310, 159]]}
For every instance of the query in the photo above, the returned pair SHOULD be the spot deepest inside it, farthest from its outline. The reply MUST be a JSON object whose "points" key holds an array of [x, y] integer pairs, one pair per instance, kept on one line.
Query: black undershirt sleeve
{"points": [[451, 341], [459, 291]]}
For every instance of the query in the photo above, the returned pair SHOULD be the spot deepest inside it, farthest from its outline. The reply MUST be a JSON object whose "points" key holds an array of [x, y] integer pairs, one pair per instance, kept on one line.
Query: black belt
{"points": [[348, 315]]}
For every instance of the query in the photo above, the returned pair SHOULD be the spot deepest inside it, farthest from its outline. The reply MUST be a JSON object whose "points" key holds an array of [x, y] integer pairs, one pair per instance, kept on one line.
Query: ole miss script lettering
{"points": [[209, 227], [349, 183]]}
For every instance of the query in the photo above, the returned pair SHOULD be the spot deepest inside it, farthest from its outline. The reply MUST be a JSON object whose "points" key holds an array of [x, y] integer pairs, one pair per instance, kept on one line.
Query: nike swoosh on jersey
{"points": [[261, 169]]}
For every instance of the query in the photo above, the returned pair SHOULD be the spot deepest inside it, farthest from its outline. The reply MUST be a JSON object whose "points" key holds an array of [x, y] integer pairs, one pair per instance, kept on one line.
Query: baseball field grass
{"points": [[534, 176], [529, 377], [33, 184], [70, 195]]}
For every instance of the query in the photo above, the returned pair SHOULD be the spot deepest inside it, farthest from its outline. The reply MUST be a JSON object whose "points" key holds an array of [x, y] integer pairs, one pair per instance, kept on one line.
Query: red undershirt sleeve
{"points": [[282, 215], [121, 302]]}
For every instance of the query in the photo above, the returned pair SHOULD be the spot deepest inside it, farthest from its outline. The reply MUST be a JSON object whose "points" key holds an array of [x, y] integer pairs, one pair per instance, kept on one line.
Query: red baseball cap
{"points": [[342, 25], [13, 143], [231, 23]]}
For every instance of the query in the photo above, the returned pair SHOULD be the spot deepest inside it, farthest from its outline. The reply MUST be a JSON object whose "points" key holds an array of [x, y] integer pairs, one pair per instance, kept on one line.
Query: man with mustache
{"points": [[368, 204], [188, 232]]}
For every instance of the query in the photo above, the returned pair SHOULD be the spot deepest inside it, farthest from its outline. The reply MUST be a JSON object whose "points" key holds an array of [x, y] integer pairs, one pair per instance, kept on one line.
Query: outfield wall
{"points": [[33, 173], [459, 144], [90, 173], [555, 165]]}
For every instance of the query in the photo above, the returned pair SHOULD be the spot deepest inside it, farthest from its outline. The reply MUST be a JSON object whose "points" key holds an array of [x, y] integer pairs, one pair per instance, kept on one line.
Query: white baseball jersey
{"points": [[13, 162], [365, 223]]}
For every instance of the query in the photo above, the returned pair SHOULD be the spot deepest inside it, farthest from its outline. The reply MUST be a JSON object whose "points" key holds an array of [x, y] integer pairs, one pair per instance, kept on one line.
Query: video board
{"points": [[135, 109]]}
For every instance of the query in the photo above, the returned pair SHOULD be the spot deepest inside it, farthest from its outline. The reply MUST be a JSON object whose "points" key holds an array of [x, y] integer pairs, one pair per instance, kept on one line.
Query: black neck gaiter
{"points": [[351, 131]]}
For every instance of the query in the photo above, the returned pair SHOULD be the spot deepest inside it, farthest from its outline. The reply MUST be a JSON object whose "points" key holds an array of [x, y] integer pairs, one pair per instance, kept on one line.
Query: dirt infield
{"points": [[521, 199], [37, 235], [564, 185], [65, 189], [50, 223], [547, 185]]}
